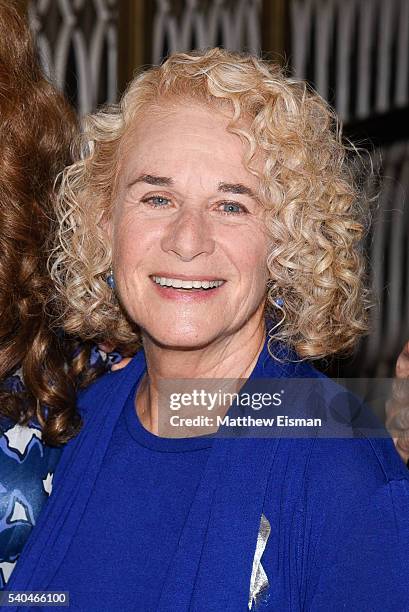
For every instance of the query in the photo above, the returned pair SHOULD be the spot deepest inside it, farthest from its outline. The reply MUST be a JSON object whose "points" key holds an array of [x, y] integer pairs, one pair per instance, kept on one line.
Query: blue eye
{"points": [[232, 208], [156, 201]]}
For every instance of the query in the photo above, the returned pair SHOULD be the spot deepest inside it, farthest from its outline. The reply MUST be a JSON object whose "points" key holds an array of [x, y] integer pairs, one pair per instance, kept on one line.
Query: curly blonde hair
{"points": [[313, 205]]}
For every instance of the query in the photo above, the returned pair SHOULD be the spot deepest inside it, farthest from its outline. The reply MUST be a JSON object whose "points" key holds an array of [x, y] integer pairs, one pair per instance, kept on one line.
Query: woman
{"points": [[397, 407], [212, 218], [36, 129]]}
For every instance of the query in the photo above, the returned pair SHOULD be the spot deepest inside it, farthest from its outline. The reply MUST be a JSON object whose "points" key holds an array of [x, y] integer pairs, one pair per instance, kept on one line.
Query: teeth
{"points": [[177, 283]]}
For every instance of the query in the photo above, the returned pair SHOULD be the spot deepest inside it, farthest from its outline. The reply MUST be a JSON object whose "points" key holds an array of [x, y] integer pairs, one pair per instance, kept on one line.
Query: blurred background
{"points": [[354, 52]]}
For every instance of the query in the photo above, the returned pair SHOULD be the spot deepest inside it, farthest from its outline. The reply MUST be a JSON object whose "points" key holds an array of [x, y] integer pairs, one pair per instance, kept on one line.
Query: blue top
{"points": [[138, 508], [27, 466], [324, 522]]}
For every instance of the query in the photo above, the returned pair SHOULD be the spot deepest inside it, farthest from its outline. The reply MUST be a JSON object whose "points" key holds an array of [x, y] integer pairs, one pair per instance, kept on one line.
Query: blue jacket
{"points": [[338, 511]]}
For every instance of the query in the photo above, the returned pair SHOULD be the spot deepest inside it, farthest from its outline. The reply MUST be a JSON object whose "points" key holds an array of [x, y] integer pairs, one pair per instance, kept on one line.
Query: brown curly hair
{"points": [[36, 129]]}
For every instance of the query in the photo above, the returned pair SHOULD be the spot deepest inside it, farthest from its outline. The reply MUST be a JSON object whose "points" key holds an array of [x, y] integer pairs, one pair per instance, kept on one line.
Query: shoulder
{"points": [[355, 466], [365, 453], [346, 448], [279, 360], [99, 387], [359, 512], [336, 475], [343, 479], [343, 505], [110, 383], [355, 518]]}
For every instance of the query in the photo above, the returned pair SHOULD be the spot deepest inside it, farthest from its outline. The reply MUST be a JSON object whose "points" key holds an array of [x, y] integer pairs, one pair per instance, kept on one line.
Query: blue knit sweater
{"points": [[338, 511]]}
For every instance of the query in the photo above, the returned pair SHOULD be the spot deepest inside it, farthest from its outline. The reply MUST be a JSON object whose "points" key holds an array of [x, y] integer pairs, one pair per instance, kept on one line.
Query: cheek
{"points": [[122, 254], [250, 259], [129, 242]]}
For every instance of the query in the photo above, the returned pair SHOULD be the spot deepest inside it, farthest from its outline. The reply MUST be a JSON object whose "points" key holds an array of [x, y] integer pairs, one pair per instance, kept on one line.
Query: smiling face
{"points": [[188, 238]]}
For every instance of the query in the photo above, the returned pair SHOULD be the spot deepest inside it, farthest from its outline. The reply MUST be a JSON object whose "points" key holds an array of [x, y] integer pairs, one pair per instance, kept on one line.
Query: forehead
{"points": [[183, 134], [179, 114]]}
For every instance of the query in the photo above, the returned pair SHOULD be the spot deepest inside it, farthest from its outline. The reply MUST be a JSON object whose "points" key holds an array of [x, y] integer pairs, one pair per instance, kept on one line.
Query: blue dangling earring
{"points": [[110, 280], [278, 303]]}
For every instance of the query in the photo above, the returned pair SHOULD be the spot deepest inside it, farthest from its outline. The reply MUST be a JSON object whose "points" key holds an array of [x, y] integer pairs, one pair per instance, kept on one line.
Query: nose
{"points": [[189, 236]]}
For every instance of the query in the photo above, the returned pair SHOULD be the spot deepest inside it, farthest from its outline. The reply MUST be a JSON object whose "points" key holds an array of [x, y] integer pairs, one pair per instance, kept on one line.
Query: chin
{"points": [[182, 338]]}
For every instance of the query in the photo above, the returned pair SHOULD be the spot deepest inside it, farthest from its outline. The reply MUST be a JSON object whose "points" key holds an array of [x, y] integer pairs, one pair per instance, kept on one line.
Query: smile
{"points": [[187, 284]]}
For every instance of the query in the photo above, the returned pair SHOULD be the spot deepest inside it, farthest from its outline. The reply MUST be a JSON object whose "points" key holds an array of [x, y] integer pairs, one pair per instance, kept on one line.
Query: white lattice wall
{"points": [[80, 36], [355, 49], [78, 39], [233, 25]]}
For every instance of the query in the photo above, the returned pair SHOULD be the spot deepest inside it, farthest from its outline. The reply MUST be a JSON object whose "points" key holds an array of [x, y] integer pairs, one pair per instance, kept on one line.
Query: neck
{"points": [[232, 357]]}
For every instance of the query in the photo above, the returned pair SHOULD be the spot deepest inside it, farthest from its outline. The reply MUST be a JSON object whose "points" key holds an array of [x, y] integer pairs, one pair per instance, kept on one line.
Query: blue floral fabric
{"points": [[27, 467]]}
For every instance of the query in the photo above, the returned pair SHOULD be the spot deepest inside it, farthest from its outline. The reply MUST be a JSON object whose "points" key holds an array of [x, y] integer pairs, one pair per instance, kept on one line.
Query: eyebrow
{"points": [[160, 181], [236, 188], [166, 181]]}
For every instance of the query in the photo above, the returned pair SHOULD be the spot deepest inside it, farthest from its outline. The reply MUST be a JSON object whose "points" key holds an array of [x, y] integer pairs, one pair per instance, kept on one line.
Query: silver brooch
{"points": [[259, 581]]}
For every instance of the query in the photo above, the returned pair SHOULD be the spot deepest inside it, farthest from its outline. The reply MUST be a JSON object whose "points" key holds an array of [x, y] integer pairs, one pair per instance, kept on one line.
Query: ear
{"points": [[106, 225]]}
